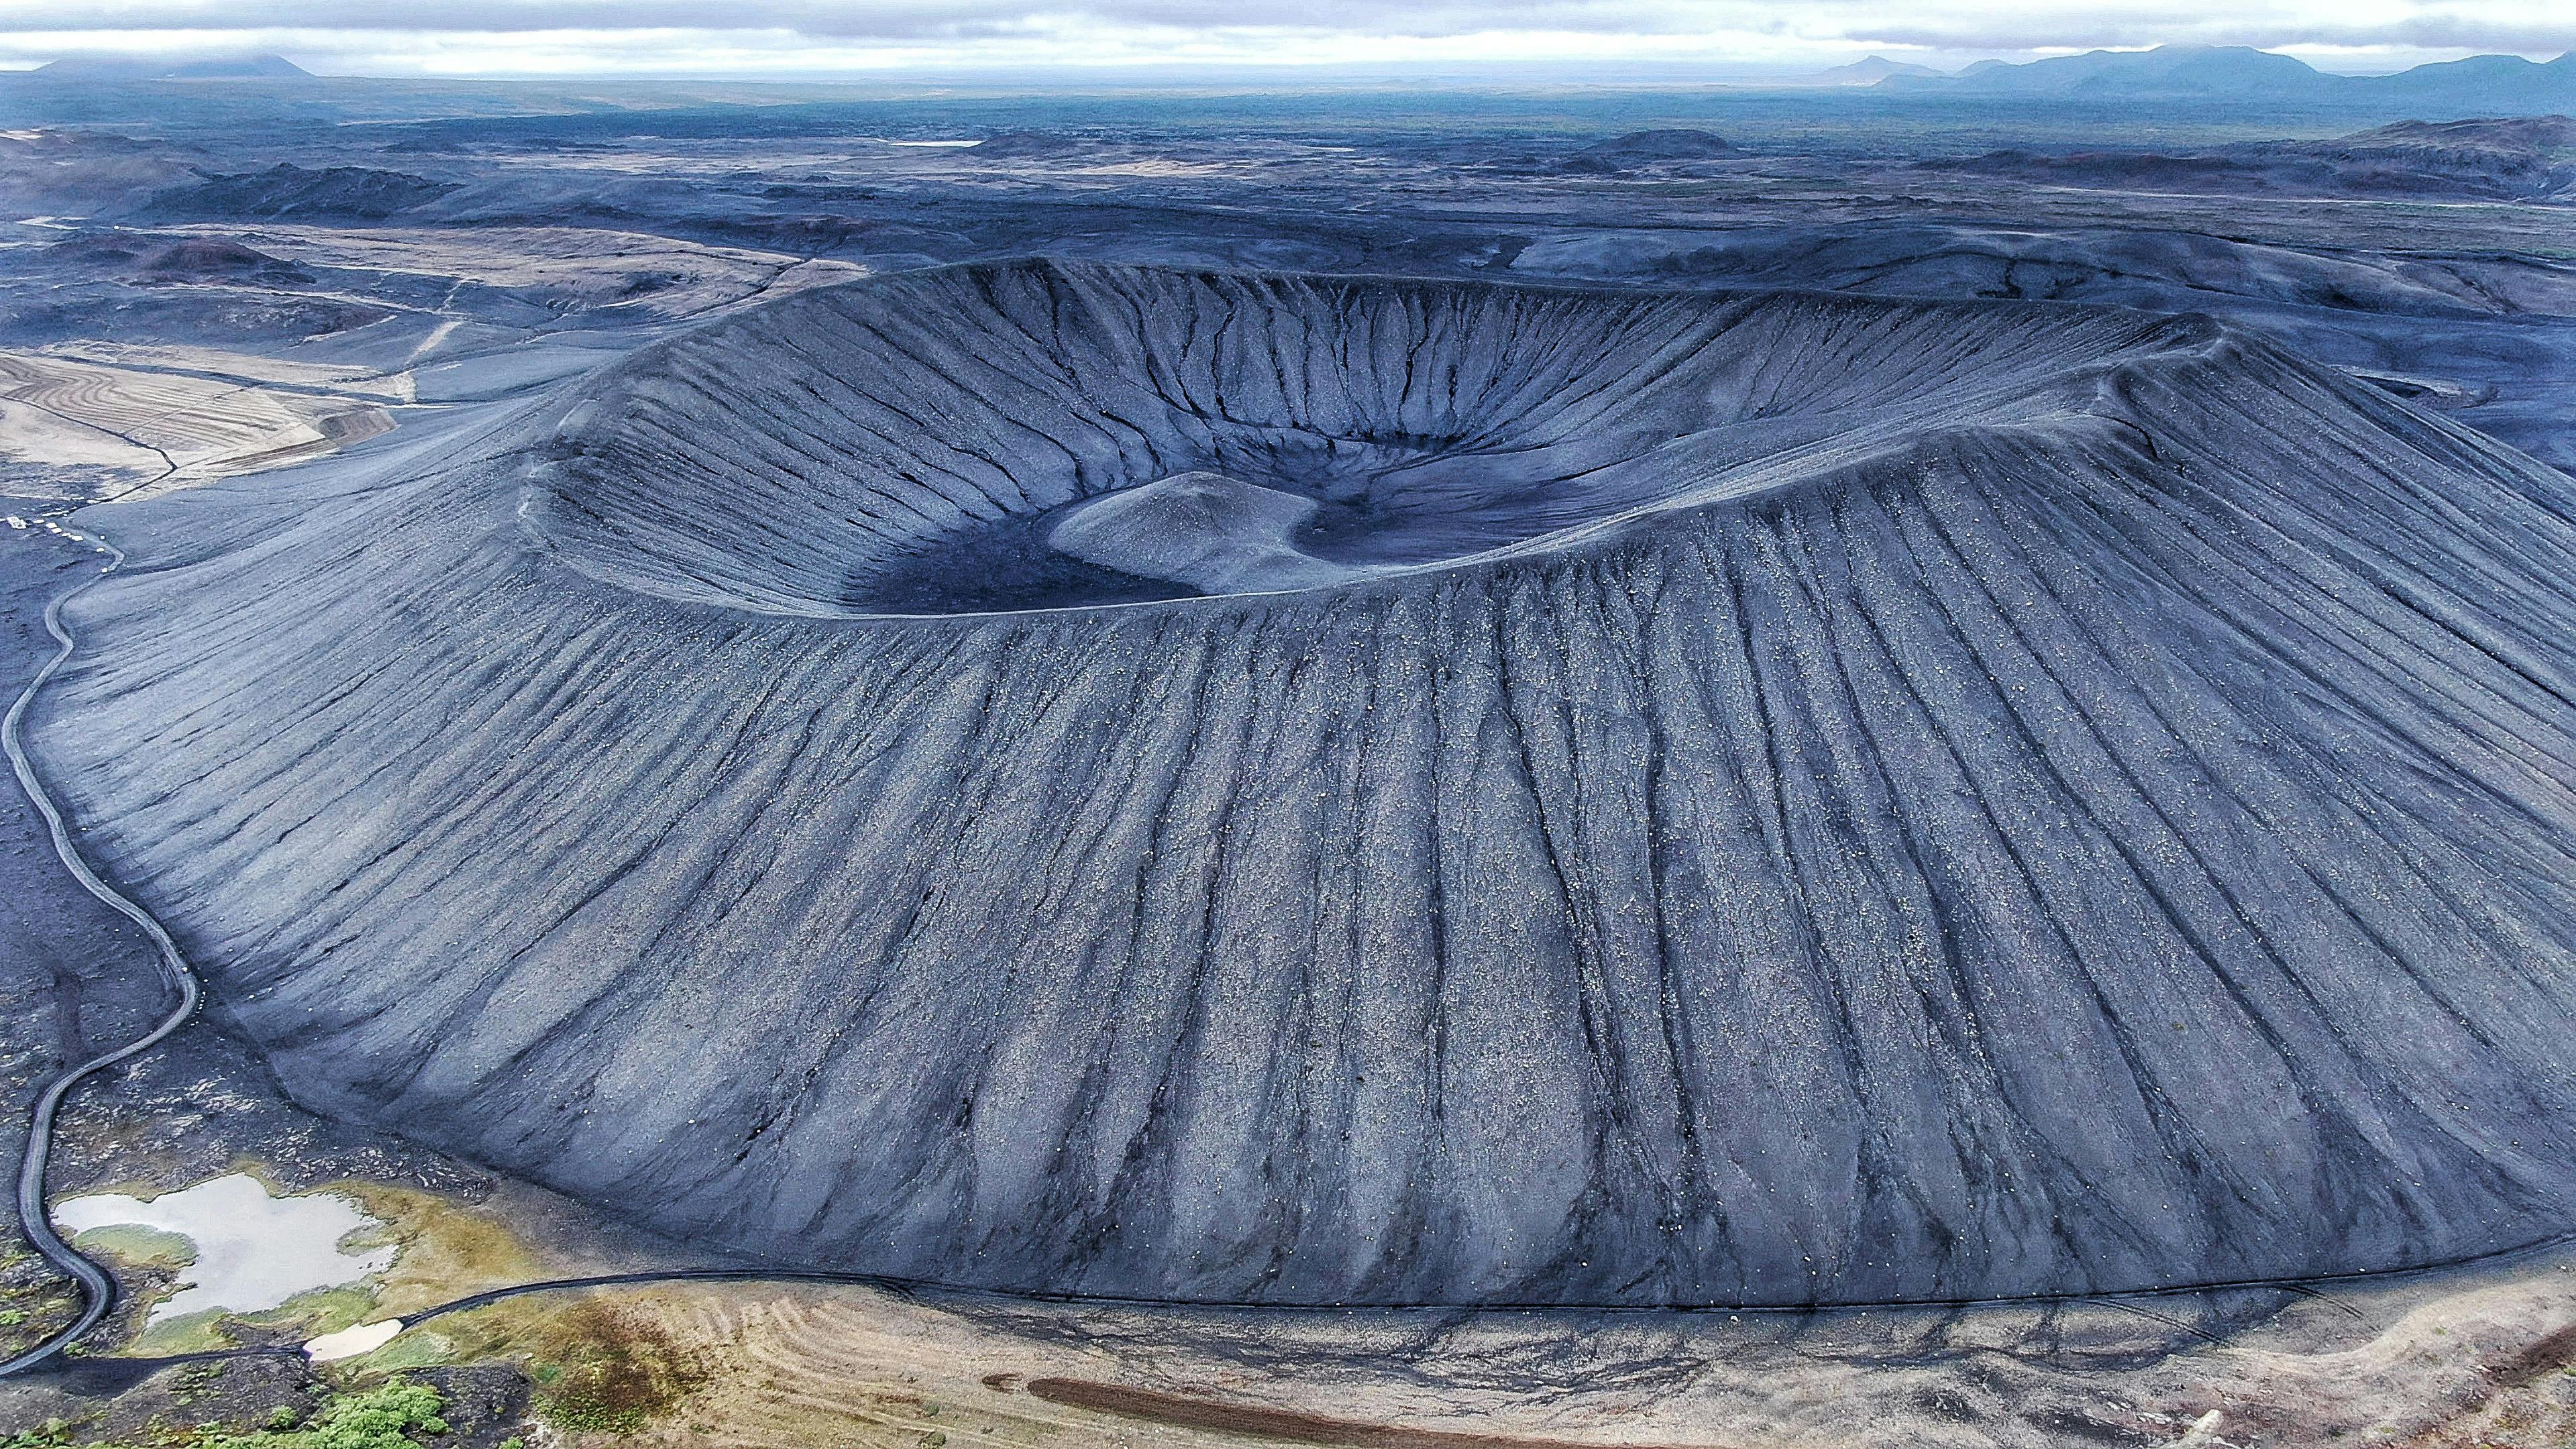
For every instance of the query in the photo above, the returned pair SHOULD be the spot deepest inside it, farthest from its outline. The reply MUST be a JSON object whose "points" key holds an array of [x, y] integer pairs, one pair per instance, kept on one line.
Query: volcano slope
{"points": [[1298, 789]]}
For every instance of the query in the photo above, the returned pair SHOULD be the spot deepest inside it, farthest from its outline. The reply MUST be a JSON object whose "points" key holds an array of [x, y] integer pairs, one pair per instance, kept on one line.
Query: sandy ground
{"points": [[2452, 1359], [2486, 1357], [166, 429], [568, 268], [2444, 1360]]}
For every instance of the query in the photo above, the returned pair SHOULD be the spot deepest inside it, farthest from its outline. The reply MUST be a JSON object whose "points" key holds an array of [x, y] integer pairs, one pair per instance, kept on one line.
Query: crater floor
{"points": [[923, 444], [1273, 788]]}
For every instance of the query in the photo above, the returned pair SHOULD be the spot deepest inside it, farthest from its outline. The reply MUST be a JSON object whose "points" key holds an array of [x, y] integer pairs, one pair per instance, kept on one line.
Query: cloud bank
{"points": [[812, 37]]}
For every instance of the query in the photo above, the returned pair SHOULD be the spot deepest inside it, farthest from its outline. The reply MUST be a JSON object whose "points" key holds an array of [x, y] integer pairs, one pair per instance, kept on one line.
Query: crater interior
{"points": [[915, 446]]}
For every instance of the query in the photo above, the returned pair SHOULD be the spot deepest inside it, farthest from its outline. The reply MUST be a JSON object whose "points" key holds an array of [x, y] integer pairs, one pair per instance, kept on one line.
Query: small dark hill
{"points": [[1027, 146], [2512, 159], [2110, 170], [352, 193], [2525, 158], [2511, 133], [104, 249], [1666, 145], [215, 259], [2517, 156], [1645, 148], [150, 259]]}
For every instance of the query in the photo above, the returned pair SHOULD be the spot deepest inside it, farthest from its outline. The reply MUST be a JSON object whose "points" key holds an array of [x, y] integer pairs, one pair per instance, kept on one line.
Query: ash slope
{"points": [[1795, 799]]}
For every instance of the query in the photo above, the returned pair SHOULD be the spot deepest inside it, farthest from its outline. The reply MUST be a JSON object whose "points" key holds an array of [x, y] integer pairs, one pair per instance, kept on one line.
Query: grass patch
{"points": [[324, 1310], [388, 1416], [198, 1332], [33, 1302], [419, 1348], [610, 1371], [138, 1246], [445, 1250]]}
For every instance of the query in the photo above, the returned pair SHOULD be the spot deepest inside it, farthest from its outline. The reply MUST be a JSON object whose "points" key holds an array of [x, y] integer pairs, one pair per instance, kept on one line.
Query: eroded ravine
{"points": [[1701, 799]]}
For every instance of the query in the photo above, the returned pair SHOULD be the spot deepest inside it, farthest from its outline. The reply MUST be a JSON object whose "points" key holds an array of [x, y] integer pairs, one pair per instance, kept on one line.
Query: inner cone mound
{"points": [[1264, 788]]}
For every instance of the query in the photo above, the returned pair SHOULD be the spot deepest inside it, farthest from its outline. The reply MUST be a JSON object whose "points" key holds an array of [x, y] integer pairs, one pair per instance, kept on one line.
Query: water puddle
{"points": [[251, 1251]]}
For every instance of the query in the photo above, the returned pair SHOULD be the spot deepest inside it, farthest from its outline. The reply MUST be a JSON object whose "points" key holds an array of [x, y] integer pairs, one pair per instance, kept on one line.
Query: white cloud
{"points": [[809, 36]]}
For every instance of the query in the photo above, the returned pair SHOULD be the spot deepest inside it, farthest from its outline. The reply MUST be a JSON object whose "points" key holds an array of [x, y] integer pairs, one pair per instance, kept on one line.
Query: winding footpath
{"points": [[97, 1289]]}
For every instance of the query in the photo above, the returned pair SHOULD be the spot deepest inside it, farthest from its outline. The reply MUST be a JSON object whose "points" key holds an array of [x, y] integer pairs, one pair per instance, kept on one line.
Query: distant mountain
{"points": [[2509, 84], [1868, 72], [2489, 85], [2172, 70], [130, 68]]}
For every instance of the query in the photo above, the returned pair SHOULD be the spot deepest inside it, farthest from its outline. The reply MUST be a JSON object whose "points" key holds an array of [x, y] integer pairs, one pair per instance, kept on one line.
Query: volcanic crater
{"points": [[923, 446], [1255, 788]]}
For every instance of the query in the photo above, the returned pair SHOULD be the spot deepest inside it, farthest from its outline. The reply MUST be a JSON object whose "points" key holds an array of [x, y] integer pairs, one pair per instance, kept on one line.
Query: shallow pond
{"points": [[252, 1251]]}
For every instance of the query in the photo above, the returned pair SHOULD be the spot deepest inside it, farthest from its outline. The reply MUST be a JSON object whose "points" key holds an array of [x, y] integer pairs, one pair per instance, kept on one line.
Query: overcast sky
{"points": [[814, 37]]}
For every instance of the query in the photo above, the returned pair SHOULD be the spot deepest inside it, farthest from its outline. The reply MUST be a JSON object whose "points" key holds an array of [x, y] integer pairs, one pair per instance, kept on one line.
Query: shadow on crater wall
{"points": [[882, 449]]}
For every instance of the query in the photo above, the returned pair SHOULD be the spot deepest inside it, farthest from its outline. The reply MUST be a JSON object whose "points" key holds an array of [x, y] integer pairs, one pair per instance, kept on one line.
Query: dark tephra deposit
{"points": [[1305, 789]]}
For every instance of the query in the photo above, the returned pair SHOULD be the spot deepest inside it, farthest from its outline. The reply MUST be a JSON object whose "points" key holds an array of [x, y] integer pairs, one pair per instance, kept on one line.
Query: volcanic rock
{"points": [[1027, 146], [1668, 145], [1269, 788], [1214, 533], [356, 193]]}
